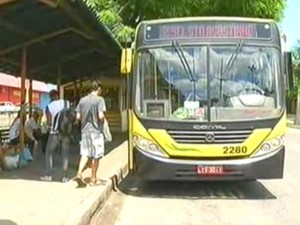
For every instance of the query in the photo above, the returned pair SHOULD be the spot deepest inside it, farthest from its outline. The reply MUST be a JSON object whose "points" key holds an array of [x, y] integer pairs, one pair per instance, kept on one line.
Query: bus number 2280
{"points": [[235, 150]]}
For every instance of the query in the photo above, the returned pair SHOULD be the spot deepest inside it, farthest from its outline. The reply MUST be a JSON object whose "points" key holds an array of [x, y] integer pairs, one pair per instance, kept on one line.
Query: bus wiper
{"points": [[185, 65], [221, 79], [183, 60], [228, 66], [233, 58]]}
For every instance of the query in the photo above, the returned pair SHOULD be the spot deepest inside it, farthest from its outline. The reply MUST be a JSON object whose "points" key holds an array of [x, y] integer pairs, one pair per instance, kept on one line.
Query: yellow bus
{"points": [[206, 99]]}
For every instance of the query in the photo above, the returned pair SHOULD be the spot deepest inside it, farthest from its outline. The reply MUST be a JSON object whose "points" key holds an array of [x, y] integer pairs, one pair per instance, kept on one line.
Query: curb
{"points": [[83, 214]]}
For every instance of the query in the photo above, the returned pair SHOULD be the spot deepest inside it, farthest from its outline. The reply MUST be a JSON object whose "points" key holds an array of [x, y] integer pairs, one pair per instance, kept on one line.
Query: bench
{"points": [[4, 135]]}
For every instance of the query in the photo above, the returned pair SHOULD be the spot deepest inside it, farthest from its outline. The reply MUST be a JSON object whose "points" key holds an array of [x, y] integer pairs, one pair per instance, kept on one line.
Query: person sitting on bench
{"points": [[32, 131], [2, 155], [14, 131]]}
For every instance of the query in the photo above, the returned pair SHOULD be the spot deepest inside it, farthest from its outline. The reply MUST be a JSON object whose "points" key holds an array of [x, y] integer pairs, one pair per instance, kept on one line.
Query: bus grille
{"points": [[210, 137]]}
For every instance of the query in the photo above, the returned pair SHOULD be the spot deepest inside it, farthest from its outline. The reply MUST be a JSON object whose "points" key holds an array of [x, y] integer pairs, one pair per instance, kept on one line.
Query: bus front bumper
{"points": [[151, 167]]}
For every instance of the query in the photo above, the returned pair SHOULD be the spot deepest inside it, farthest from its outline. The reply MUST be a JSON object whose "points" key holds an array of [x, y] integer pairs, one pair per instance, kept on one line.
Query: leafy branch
{"points": [[122, 16]]}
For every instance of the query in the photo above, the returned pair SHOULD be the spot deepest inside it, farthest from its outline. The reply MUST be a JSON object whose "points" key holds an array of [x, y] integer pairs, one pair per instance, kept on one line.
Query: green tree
{"points": [[255, 8], [296, 56], [109, 12], [292, 94], [121, 16], [295, 93]]}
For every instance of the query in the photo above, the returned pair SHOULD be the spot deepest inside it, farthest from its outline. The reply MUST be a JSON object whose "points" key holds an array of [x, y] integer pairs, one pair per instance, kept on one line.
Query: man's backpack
{"points": [[66, 121]]}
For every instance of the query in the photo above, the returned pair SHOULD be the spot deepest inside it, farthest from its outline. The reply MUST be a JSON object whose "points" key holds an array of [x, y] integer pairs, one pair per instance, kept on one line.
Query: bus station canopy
{"points": [[57, 37]]}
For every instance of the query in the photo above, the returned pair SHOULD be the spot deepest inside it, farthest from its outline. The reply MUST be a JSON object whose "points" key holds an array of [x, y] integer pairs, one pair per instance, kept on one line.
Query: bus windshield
{"points": [[243, 83]]}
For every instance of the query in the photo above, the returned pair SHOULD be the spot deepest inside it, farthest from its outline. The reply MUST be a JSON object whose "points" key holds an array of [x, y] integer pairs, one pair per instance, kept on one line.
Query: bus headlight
{"points": [[270, 146], [147, 145]]}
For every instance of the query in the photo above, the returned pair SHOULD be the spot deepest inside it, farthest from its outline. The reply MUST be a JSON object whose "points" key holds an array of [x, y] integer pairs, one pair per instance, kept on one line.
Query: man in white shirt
{"points": [[55, 139]]}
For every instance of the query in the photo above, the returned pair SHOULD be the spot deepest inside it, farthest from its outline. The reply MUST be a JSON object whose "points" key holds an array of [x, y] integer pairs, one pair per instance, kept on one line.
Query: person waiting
{"points": [[32, 131], [14, 130]]}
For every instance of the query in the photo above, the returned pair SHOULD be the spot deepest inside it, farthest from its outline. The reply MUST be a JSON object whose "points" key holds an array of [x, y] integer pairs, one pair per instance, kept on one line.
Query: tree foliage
{"points": [[296, 55], [296, 62], [293, 93], [121, 16], [109, 12]]}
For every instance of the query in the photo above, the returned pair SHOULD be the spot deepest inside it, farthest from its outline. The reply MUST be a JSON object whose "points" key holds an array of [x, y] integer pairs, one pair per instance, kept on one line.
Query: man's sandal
{"points": [[80, 181]]}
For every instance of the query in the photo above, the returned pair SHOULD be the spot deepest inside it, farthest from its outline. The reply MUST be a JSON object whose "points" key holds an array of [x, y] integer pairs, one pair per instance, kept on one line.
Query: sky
{"points": [[290, 24]]}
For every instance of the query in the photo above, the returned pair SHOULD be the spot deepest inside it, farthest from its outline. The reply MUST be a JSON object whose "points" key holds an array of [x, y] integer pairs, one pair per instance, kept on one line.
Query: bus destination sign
{"points": [[208, 29]]}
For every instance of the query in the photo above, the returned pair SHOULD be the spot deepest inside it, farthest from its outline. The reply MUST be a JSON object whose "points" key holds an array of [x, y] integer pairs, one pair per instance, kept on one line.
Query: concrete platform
{"points": [[25, 200], [291, 121]]}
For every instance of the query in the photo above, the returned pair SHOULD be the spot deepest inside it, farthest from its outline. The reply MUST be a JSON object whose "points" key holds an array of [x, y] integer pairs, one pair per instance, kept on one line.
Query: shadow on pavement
{"points": [[7, 222], [253, 190], [34, 170], [118, 138]]}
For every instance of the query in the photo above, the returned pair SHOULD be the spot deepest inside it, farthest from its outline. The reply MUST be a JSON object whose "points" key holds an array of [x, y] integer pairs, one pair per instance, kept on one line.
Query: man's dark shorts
{"points": [[15, 141]]}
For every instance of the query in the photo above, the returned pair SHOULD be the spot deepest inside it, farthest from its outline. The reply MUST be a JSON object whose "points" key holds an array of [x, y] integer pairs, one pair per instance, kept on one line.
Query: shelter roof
{"points": [[59, 35]]}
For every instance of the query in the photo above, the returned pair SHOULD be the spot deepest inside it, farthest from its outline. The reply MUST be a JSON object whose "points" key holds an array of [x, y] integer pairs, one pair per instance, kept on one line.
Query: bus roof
{"points": [[218, 18]]}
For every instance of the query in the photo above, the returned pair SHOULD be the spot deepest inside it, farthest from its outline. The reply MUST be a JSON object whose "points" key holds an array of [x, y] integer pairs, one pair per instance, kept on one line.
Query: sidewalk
{"points": [[291, 121], [25, 200]]}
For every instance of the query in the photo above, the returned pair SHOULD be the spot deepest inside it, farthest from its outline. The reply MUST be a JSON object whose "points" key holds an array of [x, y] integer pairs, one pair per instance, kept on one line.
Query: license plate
{"points": [[210, 170]]}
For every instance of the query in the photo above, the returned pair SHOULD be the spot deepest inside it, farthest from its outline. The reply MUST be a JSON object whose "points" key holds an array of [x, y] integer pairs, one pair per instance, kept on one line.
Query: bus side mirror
{"points": [[288, 70], [126, 61]]}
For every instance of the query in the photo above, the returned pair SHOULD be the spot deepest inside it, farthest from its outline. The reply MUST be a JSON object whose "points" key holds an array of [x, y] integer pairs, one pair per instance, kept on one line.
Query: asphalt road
{"points": [[269, 202]]}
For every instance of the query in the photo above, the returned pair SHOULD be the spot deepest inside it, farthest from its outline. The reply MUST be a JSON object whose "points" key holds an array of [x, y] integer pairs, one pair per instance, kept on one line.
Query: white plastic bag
{"points": [[106, 132], [11, 161]]}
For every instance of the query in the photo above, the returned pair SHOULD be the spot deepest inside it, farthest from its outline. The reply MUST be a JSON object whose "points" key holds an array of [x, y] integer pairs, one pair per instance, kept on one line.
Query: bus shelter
{"points": [[54, 41]]}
